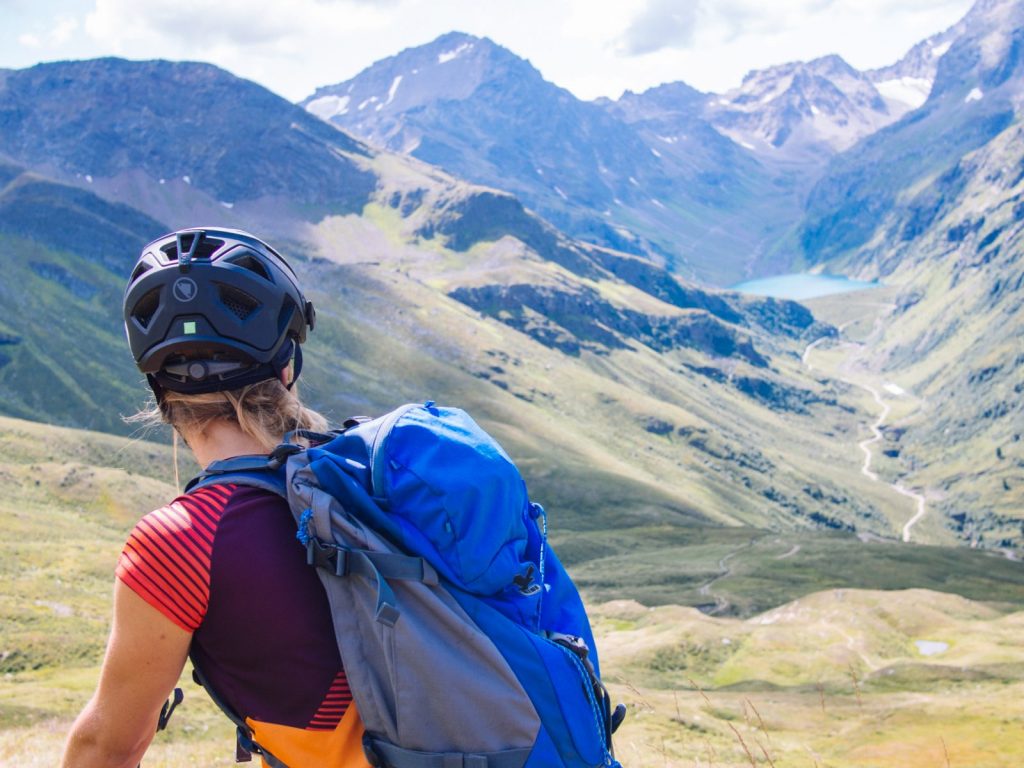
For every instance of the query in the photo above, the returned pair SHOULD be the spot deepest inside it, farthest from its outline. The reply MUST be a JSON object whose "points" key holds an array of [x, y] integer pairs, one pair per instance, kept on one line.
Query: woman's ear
{"points": [[287, 374]]}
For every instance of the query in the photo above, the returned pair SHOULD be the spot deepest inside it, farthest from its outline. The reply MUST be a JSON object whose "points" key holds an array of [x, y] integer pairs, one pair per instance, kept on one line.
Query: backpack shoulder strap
{"points": [[259, 471], [266, 472], [245, 746]]}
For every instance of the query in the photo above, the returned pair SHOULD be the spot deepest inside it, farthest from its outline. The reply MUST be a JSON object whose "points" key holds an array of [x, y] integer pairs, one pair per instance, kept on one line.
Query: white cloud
{"points": [[591, 47], [662, 24], [198, 25], [59, 34], [722, 40], [62, 31]]}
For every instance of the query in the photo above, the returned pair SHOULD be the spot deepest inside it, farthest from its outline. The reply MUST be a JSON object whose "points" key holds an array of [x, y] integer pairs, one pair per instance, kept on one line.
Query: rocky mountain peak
{"points": [[986, 55], [815, 107], [449, 68], [666, 101]]}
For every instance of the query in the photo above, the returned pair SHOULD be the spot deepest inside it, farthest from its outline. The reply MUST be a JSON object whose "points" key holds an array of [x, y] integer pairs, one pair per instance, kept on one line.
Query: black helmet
{"points": [[210, 309]]}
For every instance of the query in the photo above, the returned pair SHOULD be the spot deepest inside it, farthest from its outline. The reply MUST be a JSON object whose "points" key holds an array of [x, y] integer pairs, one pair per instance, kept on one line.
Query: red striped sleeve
{"points": [[166, 560], [333, 706]]}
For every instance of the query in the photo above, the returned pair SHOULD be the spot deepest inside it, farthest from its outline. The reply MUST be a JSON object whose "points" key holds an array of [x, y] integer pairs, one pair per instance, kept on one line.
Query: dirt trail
{"points": [[725, 570], [793, 551], [876, 429]]}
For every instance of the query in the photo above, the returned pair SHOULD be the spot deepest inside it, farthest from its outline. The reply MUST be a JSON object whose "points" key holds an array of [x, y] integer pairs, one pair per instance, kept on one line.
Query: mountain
{"points": [[933, 206], [102, 118], [819, 108], [63, 251], [974, 98], [432, 288], [906, 84], [810, 111], [710, 185], [698, 203]]}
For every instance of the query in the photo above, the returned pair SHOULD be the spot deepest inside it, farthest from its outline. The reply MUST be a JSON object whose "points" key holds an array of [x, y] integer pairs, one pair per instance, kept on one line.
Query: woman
{"points": [[214, 318]]}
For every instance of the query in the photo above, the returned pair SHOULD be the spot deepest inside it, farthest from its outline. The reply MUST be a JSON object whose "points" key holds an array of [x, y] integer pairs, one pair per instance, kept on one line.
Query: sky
{"points": [[591, 47]]}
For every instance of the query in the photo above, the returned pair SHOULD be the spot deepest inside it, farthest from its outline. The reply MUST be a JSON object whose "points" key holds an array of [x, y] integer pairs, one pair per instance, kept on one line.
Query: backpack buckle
{"points": [[326, 557], [280, 455]]}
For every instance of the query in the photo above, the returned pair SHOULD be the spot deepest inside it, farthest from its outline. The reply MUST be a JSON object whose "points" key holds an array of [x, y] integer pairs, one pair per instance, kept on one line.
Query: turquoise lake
{"points": [[802, 286]]}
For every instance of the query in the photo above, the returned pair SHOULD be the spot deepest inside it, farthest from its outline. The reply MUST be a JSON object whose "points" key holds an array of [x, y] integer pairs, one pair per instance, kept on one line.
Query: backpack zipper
{"points": [[377, 466], [606, 756]]}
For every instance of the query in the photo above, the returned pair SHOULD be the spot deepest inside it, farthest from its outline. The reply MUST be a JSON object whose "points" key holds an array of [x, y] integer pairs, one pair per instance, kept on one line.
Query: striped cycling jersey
{"points": [[224, 564]]}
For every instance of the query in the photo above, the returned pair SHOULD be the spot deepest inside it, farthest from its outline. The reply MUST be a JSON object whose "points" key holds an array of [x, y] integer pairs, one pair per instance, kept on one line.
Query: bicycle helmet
{"points": [[210, 309]]}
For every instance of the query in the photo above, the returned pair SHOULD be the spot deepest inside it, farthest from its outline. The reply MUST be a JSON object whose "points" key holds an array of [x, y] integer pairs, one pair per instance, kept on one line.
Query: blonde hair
{"points": [[265, 411]]}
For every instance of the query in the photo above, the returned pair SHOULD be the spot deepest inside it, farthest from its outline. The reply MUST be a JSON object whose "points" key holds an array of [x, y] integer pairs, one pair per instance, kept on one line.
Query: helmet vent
{"points": [[238, 302], [250, 262], [140, 270], [284, 317], [146, 307], [206, 248]]}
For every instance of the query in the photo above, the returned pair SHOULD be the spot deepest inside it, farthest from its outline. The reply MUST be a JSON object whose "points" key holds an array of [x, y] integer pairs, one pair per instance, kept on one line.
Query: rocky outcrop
{"points": [[584, 320]]}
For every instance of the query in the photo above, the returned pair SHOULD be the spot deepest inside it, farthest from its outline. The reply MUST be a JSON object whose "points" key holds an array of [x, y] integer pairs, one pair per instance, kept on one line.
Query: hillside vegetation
{"points": [[932, 206]]}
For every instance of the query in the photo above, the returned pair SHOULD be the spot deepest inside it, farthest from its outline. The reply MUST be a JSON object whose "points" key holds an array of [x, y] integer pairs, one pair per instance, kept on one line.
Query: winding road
{"points": [[876, 429]]}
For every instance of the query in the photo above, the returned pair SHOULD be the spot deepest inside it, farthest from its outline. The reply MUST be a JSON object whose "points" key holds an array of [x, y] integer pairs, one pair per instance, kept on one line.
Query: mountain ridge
{"points": [[576, 163]]}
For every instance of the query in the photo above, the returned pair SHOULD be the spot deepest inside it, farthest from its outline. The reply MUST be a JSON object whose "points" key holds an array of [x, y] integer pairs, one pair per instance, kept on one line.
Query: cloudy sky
{"points": [[592, 47]]}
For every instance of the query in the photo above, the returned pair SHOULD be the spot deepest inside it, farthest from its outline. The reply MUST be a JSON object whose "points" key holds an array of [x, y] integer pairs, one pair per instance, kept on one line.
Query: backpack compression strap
{"points": [[384, 755]]}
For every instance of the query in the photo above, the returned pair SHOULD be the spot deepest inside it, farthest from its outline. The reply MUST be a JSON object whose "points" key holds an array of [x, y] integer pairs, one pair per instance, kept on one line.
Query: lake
{"points": [[802, 286]]}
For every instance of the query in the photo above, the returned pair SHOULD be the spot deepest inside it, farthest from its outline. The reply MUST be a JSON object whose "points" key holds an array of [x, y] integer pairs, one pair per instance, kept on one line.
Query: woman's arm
{"points": [[145, 655]]}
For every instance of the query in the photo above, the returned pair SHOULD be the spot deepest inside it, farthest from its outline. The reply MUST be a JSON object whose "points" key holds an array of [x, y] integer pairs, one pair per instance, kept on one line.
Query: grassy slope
{"points": [[59, 541], [951, 339], [835, 679], [597, 406]]}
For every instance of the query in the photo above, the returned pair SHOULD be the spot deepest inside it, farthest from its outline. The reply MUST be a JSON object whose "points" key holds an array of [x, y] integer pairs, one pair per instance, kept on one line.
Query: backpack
{"points": [[465, 641]]}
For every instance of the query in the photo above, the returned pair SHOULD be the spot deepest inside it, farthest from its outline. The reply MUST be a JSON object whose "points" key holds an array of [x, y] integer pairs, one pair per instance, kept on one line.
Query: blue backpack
{"points": [[471, 644]]}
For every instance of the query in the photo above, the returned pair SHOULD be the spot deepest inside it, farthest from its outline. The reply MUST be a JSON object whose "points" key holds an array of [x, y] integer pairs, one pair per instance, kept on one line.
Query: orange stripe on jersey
{"points": [[166, 560], [334, 705]]}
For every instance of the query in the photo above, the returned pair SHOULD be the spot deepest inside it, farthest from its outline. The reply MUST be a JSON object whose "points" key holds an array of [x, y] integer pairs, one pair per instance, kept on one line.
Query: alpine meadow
{"points": [[796, 516]]}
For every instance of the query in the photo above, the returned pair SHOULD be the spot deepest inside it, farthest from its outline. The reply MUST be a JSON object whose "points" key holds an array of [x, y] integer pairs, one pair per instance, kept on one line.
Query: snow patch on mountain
{"points": [[940, 50], [327, 107], [446, 56], [976, 94], [393, 89], [912, 91]]}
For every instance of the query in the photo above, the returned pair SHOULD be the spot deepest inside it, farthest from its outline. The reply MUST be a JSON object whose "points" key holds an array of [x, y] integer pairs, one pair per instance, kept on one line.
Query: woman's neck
{"points": [[222, 439]]}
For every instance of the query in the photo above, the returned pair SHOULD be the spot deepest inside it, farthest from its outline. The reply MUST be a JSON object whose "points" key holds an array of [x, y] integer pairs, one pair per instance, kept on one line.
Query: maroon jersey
{"points": [[224, 564]]}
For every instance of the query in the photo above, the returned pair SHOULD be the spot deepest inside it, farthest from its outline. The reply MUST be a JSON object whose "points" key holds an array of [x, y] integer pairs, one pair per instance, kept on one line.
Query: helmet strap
{"points": [[296, 366], [158, 391]]}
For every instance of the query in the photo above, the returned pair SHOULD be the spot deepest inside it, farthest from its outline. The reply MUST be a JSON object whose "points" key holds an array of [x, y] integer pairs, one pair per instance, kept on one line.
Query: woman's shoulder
{"points": [[166, 559]]}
